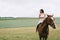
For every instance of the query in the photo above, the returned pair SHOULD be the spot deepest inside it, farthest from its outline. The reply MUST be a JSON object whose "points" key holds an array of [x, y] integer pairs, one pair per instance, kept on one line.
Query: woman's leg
{"points": [[38, 26]]}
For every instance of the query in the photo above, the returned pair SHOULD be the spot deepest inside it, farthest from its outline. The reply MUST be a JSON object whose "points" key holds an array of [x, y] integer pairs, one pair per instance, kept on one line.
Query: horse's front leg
{"points": [[46, 38], [40, 38], [43, 38]]}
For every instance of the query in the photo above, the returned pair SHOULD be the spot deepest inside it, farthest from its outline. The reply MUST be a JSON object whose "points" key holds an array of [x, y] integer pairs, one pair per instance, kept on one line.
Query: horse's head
{"points": [[51, 21]]}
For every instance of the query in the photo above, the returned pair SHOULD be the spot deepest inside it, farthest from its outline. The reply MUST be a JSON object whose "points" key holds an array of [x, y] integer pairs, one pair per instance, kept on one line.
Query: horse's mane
{"points": [[48, 16]]}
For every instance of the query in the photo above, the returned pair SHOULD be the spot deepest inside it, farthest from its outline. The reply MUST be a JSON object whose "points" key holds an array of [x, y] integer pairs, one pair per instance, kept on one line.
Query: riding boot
{"points": [[37, 26]]}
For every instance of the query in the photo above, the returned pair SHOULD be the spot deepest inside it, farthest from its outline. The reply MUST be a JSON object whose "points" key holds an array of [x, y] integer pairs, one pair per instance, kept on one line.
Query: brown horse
{"points": [[43, 29]]}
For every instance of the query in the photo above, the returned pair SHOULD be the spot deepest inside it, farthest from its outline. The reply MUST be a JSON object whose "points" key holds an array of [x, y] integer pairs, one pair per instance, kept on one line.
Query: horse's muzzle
{"points": [[53, 25]]}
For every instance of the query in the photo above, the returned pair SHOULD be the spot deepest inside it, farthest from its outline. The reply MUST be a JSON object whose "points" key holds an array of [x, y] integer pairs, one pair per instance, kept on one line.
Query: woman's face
{"points": [[40, 11]]}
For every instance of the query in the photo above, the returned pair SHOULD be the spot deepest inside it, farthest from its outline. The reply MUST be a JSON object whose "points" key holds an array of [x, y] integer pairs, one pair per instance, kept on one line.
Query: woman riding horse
{"points": [[43, 29], [42, 16]]}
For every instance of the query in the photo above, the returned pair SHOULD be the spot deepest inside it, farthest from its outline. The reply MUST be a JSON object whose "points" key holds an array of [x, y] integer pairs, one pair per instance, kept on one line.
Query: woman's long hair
{"points": [[41, 11]]}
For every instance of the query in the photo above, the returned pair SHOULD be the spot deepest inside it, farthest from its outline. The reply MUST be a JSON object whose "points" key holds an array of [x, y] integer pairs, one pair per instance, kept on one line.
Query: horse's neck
{"points": [[44, 24]]}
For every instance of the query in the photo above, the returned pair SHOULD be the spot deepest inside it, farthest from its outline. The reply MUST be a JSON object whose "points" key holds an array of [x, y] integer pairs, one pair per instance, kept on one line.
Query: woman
{"points": [[42, 16]]}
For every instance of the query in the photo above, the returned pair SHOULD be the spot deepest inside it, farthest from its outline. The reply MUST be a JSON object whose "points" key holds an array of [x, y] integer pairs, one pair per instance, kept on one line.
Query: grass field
{"points": [[27, 33], [21, 22], [24, 29]]}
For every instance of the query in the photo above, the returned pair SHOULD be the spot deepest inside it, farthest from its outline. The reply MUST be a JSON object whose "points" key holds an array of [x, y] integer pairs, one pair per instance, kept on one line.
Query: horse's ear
{"points": [[50, 15]]}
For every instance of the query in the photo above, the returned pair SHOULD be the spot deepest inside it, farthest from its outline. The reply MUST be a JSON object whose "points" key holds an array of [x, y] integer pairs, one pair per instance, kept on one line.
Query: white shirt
{"points": [[42, 17]]}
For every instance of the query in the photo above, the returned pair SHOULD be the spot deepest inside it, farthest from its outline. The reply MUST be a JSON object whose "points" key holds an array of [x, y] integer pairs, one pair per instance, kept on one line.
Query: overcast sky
{"points": [[28, 8]]}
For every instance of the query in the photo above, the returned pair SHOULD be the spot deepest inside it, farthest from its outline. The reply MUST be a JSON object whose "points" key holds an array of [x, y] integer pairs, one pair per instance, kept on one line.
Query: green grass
{"points": [[23, 33], [27, 33], [21, 22]]}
